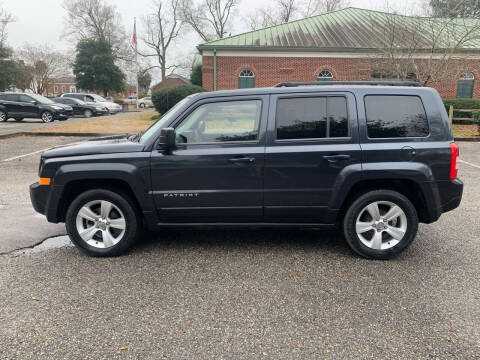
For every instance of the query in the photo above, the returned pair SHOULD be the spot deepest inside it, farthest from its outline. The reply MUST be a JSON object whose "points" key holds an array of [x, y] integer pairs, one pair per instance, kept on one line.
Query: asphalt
{"points": [[250, 294]]}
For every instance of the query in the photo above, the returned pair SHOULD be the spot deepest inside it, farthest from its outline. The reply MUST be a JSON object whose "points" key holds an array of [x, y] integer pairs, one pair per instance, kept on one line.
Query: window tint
{"points": [[11, 97], [392, 116], [220, 122], [312, 118]]}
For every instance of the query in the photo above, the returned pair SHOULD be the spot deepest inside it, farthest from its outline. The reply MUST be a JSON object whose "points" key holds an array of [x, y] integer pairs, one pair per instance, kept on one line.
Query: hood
{"points": [[105, 145]]}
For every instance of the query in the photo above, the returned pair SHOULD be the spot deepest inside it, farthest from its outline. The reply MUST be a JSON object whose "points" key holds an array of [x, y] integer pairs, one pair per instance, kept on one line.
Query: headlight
{"points": [[55, 107]]}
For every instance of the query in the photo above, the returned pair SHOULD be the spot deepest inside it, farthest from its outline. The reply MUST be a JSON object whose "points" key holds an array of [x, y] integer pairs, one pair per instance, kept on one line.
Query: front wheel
{"points": [[103, 222], [47, 116], [87, 113], [3, 116], [380, 224]]}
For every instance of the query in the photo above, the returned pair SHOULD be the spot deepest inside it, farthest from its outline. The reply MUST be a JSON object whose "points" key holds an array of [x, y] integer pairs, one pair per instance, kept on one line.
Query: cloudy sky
{"points": [[42, 21]]}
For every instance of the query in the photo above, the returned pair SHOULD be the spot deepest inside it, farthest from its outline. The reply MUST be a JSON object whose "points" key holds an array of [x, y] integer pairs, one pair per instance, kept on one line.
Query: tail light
{"points": [[455, 152]]}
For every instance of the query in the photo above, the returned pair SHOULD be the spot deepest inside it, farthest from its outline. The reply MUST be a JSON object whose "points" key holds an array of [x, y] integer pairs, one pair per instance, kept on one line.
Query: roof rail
{"points": [[323, 83]]}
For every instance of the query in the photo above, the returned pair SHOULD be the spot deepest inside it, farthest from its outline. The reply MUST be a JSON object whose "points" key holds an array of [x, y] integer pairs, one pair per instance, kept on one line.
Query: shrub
{"points": [[459, 104], [165, 99], [196, 75], [476, 118]]}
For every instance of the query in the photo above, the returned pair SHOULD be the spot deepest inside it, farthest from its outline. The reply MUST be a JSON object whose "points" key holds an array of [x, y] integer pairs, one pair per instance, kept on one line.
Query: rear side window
{"points": [[312, 118], [395, 116]]}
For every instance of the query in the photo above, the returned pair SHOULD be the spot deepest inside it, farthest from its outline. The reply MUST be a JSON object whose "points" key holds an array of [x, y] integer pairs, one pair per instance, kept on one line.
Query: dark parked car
{"points": [[81, 107], [112, 107], [20, 106], [373, 160]]}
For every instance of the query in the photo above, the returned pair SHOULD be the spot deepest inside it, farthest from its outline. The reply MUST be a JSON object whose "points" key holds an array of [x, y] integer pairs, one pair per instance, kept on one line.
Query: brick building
{"points": [[171, 80], [61, 85], [340, 45]]}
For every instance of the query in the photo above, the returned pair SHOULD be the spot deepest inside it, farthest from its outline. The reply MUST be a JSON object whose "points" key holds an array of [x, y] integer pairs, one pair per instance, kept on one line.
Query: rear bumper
{"points": [[450, 194]]}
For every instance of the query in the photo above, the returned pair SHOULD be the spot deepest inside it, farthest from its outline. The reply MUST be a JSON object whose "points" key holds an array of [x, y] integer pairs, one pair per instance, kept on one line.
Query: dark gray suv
{"points": [[373, 160]]}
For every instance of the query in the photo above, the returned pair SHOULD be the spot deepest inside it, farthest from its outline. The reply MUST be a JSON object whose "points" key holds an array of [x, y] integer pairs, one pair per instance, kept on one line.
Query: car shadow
{"points": [[309, 240]]}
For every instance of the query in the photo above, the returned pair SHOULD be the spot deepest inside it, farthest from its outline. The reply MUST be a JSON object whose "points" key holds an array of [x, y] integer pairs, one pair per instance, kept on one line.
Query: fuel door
{"points": [[408, 153]]}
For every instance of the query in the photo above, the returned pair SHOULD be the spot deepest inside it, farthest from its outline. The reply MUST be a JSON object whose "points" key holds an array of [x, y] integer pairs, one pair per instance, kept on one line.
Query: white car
{"points": [[112, 107], [145, 102]]}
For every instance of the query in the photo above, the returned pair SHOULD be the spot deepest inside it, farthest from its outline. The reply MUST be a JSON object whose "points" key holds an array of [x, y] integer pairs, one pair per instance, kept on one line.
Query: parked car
{"points": [[373, 160], [82, 108], [133, 96], [20, 106], [145, 102], [89, 98]]}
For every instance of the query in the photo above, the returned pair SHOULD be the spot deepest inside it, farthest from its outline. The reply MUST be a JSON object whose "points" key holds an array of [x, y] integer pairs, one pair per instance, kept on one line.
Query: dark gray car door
{"points": [[216, 172], [312, 141], [28, 106]]}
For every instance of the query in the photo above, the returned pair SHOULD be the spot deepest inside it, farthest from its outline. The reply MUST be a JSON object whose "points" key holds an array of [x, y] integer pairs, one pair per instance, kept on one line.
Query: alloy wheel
{"points": [[47, 117], [100, 224], [3, 116], [381, 225]]}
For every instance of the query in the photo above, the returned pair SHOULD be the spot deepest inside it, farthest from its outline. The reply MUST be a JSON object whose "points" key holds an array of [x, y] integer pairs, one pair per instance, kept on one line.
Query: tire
{"points": [[46, 116], [374, 239], [100, 237], [141, 105], [87, 113], [3, 116], [18, 119]]}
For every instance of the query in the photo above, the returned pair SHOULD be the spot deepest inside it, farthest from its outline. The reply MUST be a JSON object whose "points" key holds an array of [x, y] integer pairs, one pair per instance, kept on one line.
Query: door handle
{"points": [[242, 159], [337, 157]]}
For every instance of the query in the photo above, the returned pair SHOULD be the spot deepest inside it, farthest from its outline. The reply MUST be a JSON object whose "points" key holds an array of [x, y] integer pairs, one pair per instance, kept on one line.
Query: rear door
{"points": [[312, 140], [13, 105], [216, 172]]}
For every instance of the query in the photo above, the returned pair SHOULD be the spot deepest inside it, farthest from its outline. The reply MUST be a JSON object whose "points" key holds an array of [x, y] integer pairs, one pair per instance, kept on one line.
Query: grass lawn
{"points": [[465, 131], [117, 124]]}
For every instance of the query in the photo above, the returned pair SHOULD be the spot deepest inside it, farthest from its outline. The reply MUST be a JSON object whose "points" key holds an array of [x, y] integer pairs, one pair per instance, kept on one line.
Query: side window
{"points": [[395, 116], [11, 97], [312, 118], [25, 98], [221, 122]]}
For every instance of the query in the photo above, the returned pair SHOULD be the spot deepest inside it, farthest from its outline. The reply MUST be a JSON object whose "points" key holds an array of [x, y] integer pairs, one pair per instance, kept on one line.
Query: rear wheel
{"points": [[3, 116], [142, 105], [47, 116], [103, 222], [380, 224], [87, 113]]}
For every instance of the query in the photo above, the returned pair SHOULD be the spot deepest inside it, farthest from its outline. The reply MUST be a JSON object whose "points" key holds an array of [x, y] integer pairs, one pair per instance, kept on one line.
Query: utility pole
{"points": [[134, 41]]}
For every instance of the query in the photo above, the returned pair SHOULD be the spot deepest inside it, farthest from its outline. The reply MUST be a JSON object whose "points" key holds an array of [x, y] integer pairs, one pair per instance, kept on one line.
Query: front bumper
{"points": [[62, 115], [39, 196], [46, 201]]}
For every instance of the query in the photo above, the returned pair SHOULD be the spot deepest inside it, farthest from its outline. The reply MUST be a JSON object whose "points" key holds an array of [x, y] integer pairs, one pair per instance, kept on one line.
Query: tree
{"points": [[144, 81], [7, 68], [44, 65], [162, 27], [5, 19], [196, 75], [95, 19], [95, 68], [424, 49], [316, 7], [210, 19], [22, 76], [164, 99], [455, 8]]}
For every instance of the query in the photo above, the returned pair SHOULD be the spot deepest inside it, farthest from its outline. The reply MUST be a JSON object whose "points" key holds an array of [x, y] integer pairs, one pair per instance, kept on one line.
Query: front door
{"points": [[28, 106], [313, 140], [216, 172]]}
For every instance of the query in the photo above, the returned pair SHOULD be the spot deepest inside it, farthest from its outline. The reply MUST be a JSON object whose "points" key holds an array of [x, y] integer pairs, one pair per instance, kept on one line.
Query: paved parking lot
{"points": [[251, 294]]}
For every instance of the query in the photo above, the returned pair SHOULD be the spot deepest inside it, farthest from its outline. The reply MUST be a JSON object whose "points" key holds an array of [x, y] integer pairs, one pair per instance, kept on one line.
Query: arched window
{"points": [[325, 75], [246, 79], [465, 86]]}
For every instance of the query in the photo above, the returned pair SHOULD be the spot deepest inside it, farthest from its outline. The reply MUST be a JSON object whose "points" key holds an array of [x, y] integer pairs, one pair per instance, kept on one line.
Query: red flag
{"points": [[134, 37]]}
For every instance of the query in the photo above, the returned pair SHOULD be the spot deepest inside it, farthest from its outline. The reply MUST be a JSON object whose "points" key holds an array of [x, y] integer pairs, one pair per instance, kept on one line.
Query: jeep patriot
{"points": [[372, 158]]}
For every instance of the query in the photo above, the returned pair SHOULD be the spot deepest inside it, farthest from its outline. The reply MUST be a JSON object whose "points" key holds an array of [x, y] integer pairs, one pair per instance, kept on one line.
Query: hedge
{"points": [[165, 99]]}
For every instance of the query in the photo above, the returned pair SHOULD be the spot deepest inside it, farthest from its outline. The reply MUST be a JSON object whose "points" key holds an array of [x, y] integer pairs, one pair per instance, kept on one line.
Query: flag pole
{"points": [[136, 57]]}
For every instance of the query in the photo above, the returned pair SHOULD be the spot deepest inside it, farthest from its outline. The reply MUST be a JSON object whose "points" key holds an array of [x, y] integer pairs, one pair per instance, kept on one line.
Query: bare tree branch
{"points": [[210, 19], [162, 27], [5, 19]]}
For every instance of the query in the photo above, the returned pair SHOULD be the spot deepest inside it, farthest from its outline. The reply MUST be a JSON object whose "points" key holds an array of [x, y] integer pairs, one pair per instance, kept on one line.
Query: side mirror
{"points": [[34, 102], [167, 139]]}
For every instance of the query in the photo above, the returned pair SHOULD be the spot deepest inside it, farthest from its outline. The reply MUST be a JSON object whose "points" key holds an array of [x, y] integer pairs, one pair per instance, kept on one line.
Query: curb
{"points": [[475, 139], [26, 133]]}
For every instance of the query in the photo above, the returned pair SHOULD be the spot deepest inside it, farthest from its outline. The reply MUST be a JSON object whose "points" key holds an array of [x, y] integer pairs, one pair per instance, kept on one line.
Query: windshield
{"points": [[98, 98], [41, 99], [163, 121]]}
